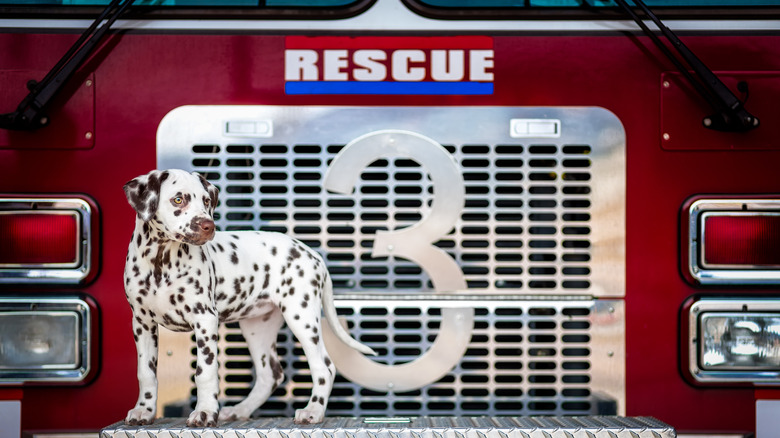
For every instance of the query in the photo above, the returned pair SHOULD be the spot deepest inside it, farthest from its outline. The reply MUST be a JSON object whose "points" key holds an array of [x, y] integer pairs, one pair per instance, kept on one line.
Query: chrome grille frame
{"points": [[543, 227]]}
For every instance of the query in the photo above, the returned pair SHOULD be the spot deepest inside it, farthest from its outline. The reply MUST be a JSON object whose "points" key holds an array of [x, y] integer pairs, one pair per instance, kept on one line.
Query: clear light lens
{"points": [[39, 340], [732, 341]]}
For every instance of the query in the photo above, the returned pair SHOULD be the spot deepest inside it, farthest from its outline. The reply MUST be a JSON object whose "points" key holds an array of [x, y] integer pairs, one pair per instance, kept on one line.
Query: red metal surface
{"points": [[682, 112], [143, 76], [71, 114]]}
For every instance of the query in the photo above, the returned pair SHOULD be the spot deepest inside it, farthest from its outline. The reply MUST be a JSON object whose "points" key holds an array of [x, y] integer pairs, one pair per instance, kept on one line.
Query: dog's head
{"points": [[177, 203]]}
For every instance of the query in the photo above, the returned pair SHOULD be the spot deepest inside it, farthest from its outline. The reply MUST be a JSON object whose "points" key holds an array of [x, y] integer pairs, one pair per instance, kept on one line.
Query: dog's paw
{"points": [[233, 413], [202, 419], [309, 416], [139, 416]]}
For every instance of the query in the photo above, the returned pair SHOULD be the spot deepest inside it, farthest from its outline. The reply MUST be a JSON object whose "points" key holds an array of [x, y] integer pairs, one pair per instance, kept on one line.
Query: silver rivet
{"points": [[88, 83], [88, 135], [666, 136]]}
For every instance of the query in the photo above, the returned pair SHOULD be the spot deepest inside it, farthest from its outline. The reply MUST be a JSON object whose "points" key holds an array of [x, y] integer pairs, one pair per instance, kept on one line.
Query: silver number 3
{"points": [[415, 243]]}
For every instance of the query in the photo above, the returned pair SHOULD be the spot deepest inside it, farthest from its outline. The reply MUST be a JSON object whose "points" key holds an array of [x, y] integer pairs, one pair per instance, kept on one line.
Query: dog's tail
{"points": [[329, 308]]}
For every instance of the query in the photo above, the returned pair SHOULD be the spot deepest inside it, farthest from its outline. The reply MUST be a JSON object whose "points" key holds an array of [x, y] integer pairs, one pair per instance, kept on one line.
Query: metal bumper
{"points": [[419, 427]]}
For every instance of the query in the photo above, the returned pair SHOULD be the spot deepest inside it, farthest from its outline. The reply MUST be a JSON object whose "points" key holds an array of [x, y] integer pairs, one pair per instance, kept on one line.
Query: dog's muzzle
{"points": [[203, 230]]}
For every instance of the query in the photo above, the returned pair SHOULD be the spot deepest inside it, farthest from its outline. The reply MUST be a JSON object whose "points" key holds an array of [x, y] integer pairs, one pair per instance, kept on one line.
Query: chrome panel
{"points": [[733, 305], [711, 274], [71, 306], [542, 230], [413, 427], [52, 273], [527, 200]]}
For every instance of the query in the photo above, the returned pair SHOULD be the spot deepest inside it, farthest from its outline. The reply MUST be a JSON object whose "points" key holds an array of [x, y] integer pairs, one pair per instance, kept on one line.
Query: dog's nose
{"points": [[206, 225], [202, 225]]}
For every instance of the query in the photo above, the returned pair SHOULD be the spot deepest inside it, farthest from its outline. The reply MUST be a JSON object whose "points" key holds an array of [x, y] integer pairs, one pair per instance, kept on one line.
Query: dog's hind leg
{"points": [[260, 334], [323, 371]]}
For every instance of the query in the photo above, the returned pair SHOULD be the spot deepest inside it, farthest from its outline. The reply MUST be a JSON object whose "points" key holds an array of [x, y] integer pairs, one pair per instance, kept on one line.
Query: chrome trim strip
{"points": [[723, 275], [393, 15], [49, 305], [705, 305], [415, 23], [52, 273]]}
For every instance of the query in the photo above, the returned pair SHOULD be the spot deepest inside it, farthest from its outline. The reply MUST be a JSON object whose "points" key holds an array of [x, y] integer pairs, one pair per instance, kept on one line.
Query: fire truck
{"points": [[529, 208]]}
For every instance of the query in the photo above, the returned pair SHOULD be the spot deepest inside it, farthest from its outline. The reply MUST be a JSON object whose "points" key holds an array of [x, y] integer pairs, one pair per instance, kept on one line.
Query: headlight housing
{"points": [[45, 340], [734, 340]]}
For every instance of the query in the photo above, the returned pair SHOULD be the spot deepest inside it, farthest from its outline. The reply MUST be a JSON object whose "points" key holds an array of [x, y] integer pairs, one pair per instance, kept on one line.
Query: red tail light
{"points": [[39, 239], [741, 239], [47, 239], [732, 241]]}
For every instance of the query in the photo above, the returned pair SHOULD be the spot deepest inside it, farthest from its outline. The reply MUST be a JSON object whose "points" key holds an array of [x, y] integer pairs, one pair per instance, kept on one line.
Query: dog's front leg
{"points": [[206, 373], [145, 335]]}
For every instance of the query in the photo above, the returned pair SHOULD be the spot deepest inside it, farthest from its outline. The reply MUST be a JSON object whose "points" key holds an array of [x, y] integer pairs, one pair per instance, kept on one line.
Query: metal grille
{"points": [[543, 220], [525, 358], [526, 223]]}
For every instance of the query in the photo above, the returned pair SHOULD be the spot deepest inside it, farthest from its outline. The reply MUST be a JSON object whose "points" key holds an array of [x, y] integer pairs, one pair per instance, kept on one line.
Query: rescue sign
{"points": [[459, 65]]}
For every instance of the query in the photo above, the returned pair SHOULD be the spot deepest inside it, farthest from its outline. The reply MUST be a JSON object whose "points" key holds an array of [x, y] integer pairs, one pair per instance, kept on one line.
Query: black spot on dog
{"points": [[276, 369]]}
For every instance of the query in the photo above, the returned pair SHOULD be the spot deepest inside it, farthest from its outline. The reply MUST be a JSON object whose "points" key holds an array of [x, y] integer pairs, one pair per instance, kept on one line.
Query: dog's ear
{"points": [[212, 190], [143, 193]]}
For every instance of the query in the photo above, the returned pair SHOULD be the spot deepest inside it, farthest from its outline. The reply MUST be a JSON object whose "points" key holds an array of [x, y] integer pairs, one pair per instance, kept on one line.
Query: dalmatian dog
{"points": [[184, 275]]}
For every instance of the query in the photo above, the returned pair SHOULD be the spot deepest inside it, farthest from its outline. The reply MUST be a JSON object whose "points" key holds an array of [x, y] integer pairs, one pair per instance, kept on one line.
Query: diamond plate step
{"points": [[412, 427]]}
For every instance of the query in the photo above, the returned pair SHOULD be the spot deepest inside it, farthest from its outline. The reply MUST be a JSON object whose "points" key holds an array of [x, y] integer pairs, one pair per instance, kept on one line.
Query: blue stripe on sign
{"points": [[342, 87]]}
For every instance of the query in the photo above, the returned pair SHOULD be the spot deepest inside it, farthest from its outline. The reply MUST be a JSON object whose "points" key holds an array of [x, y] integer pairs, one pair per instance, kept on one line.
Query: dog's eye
{"points": [[178, 200], [207, 202]]}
